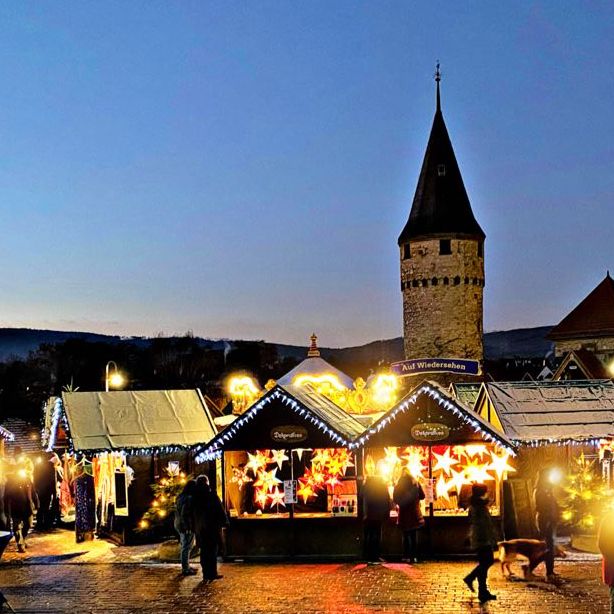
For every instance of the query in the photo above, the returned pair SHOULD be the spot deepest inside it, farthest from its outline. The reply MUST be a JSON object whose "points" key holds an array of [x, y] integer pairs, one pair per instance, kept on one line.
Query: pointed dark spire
{"points": [[441, 206]]}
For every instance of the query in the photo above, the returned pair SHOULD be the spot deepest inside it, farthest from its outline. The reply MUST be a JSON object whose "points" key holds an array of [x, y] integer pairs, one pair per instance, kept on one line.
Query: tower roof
{"points": [[593, 317], [441, 206]]}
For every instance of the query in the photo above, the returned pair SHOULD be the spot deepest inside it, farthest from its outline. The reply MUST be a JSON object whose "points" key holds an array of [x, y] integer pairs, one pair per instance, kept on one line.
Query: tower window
{"points": [[466, 280], [456, 280], [480, 249], [414, 283], [441, 170], [445, 247], [446, 281], [406, 251], [424, 283], [434, 281]]}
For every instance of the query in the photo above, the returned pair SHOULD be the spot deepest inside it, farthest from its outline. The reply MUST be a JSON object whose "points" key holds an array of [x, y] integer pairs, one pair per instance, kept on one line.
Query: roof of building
{"points": [[593, 317], [315, 366], [554, 411], [133, 419], [586, 361], [27, 436], [467, 394], [441, 206]]}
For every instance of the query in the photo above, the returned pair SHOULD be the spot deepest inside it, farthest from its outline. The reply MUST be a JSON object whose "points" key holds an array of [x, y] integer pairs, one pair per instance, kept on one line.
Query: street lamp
{"points": [[114, 379]]}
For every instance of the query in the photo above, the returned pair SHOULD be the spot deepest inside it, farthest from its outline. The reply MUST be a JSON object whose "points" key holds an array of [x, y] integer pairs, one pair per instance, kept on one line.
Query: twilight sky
{"points": [[244, 169]]}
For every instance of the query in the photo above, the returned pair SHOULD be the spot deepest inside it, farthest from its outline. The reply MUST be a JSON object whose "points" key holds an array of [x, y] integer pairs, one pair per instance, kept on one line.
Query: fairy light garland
{"points": [[443, 402], [215, 447], [58, 411], [6, 434]]}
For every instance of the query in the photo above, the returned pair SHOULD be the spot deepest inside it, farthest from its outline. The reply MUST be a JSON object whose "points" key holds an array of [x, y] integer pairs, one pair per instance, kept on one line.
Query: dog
{"points": [[533, 550]]}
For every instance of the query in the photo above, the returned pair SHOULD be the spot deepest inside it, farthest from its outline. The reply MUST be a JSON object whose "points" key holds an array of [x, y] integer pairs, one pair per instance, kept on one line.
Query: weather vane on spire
{"points": [[437, 80]]}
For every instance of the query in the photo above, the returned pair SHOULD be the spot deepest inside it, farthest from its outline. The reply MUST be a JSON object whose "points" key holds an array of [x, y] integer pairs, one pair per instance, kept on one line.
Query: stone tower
{"points": [[442, 259]]}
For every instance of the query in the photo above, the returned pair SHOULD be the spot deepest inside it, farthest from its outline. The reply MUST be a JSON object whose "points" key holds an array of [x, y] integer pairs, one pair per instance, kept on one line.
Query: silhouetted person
{"points": [[547, 517], [483, 541], [376, 510], [209, 518], [45, 486], [184, 525], [407, 495]]}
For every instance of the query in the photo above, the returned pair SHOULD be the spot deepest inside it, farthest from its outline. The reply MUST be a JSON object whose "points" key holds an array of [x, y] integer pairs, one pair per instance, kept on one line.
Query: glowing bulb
{"points": [[144, 524], [555, 476], [161, 513], [116, 380]]}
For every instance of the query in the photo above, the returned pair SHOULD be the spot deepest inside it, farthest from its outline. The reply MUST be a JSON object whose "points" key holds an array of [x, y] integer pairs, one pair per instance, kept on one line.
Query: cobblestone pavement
{"points": [[433, 587]]}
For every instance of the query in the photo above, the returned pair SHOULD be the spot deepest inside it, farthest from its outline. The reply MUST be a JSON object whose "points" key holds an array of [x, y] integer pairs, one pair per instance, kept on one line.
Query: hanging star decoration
{"points": [[444, 462], [442, 488], [499, 464], [257, 461], [304, 490], [276, 498], [279, 456], [261, 497], [477, 472], [475, 449], [415, 461], [240, 477], [267, 480], [457, 481]]}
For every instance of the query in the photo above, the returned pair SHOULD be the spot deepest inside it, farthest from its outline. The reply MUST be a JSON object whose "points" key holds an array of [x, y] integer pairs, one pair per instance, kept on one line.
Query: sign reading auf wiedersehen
{"points": [[437, 365], [289, 491]]}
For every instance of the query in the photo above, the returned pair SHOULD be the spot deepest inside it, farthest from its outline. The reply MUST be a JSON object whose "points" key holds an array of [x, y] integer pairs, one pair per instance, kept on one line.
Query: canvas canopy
{"points": [[571, 410], [121, 420]]}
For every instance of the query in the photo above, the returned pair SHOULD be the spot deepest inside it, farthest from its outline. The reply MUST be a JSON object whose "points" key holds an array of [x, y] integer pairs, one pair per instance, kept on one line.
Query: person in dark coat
{"points": [[547, 518], [376, 510], [407, 495], [184, 525], [483, 541], [209, 517], [21, 502]]}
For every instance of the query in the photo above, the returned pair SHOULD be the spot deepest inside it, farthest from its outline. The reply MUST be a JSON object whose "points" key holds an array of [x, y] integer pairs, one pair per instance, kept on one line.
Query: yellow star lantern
{"points": [[261, 497], [444, 462], [304, 490], [267, 480], [475, 449], [279, 456], [276, 498], [457, 481], [499, 464], [477, 472], [415, 462], [257, 461], [442, 487]]}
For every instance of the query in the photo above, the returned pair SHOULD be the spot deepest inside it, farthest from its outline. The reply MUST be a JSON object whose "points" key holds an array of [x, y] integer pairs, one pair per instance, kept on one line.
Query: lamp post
{"points": [[115, 379]]}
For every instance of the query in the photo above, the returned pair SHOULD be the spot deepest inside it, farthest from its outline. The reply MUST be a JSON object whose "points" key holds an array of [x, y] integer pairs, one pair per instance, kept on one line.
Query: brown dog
{"points": [[534, 550]]}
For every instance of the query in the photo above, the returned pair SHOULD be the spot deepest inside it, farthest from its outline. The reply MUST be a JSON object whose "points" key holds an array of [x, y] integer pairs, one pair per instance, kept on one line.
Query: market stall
{"points": [[447, 447], [111, 446], [289, 476]]}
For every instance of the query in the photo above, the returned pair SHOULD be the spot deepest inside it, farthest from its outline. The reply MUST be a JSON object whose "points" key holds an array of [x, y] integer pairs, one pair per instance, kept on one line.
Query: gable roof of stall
{"points": [[137, 419], [552, 411], [302, 404], [447, 404]]}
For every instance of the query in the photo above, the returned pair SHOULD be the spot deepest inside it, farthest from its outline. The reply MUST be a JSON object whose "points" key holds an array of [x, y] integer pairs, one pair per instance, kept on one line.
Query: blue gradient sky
{"points": [[244, 169]]}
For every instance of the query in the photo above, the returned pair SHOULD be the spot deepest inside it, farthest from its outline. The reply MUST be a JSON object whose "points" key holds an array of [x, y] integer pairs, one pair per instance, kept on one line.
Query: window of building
{"points": [[441, 170], [466, 280], [424, 283], [456, 280], [406, 251], [414, 283], [434, 281], [445, 247], [446, 281]]}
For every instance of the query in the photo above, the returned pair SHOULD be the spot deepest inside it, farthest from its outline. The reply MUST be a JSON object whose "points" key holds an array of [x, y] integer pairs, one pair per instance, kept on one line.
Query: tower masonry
{"points": [[442, 259]]}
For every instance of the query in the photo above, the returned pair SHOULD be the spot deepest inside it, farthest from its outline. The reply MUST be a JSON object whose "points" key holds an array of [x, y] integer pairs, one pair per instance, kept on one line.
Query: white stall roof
{"points": [[565, 410], [130, 419]]}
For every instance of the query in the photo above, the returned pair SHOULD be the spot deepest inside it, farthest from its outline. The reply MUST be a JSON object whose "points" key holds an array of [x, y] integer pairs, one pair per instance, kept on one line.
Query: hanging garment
{"points": [[85, 504]]}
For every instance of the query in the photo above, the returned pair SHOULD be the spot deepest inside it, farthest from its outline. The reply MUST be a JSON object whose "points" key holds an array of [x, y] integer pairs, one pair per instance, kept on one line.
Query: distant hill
{"points": [[517, 343]]}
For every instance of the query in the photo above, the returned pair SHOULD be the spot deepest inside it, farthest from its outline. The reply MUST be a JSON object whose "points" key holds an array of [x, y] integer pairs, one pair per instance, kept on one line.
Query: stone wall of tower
{"points": [[443, 300]]}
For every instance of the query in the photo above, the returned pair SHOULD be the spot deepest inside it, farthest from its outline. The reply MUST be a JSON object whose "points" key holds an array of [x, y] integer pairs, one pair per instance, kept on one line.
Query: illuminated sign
{"points": [[437, 365], [430, 431], [288, 434]]}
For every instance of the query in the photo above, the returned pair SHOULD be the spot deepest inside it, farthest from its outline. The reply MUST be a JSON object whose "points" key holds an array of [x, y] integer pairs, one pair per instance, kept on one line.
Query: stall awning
{"points": [[132, 420], [554, 411]]}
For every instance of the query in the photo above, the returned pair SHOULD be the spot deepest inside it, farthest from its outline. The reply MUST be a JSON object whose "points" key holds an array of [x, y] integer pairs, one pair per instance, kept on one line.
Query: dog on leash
{"points": [[533, 550]]}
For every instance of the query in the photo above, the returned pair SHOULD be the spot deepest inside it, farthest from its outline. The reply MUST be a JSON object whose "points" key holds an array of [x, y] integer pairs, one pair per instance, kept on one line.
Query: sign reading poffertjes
{"points": [[437, 365], [430, 431], [288, 434]]}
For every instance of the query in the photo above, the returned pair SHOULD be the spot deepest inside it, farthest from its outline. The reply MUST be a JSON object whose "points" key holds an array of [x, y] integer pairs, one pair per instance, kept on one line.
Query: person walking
{"points": [[408, 494], [376, 510], [605, 542], [209, 517], [547, 518], [184, 525], [483, 541], [21, 503]]}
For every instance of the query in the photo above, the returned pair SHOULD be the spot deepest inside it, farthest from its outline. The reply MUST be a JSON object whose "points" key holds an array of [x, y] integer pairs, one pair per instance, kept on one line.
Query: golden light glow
{"points": [[555, 476], [144, 524], [321, 382], [116, 380], [611, 367], [384, 390], [499, 464], [22, 473], [241, 385], [444, 462], [161, 513]]}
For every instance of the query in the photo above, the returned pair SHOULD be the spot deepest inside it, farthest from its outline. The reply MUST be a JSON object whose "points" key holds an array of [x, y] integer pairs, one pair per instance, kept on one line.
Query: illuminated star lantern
{"points": [[415, 462], [279, 456], [444, 462], [475, 449], [257, 461], [442, 487], [304, 490], [457, 481], [320, 457], [276, 498], [499, 464], [477, 472], [260, 497], [267, 480], [332, 481]]}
